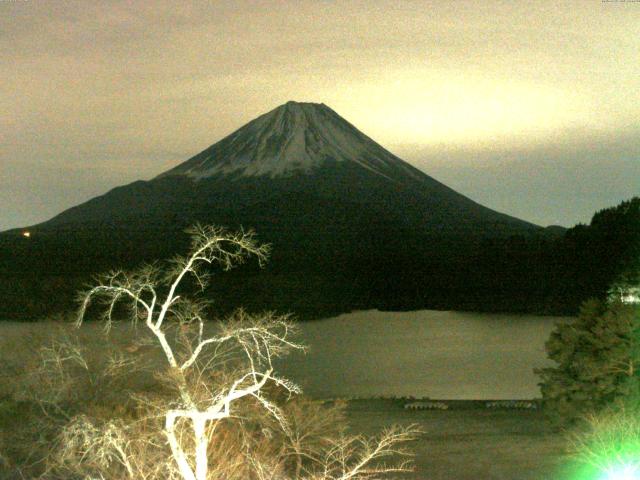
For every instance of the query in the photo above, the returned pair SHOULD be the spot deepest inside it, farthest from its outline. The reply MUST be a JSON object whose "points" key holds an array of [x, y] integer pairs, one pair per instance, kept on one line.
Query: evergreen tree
{"points": [[597, 361]]}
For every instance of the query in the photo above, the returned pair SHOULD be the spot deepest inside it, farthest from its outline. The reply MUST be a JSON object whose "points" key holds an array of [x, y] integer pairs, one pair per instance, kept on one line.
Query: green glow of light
{"points": [[606, 459], [623, 472]]}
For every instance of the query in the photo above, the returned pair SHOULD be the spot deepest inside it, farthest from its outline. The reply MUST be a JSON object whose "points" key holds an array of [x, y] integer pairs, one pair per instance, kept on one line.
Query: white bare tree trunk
{"points": [[258, 339]]}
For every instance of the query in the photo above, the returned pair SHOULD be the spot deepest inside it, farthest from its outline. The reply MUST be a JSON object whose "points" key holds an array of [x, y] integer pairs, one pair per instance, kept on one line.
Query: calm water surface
{"points": [[446, 355]]}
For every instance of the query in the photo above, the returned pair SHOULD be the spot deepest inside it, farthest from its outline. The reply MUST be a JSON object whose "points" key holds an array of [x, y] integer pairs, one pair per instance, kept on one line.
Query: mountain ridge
{"points": [[372, 230], [353, 167], [296, 136]]}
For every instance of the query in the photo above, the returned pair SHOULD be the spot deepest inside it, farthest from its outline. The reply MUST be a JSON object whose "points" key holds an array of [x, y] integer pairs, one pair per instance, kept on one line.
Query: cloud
{"points": [[561, 183], [130, 87]]}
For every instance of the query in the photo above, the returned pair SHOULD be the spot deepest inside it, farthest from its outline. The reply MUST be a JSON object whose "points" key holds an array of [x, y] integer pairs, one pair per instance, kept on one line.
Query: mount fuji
{"points": [[297, 149], [351, 224]]}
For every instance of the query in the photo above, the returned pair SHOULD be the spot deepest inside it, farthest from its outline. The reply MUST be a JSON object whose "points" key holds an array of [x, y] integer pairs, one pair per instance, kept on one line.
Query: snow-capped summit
{"points": [[293, 138]]}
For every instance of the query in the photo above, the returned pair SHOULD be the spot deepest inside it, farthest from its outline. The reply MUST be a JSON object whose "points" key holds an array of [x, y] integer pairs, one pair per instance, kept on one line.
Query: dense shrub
{"points": [[597, 361]]}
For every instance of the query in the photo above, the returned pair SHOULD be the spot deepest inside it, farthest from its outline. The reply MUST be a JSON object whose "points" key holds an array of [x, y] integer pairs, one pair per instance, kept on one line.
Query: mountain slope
{"points": [[301, 148], [343, 214]]}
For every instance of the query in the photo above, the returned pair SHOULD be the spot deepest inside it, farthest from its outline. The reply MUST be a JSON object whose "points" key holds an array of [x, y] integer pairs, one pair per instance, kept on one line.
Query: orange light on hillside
{"points": [[26, 234]]}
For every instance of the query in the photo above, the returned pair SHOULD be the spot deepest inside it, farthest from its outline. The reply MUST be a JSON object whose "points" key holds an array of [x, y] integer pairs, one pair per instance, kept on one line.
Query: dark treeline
{"points": [[545, 273]]}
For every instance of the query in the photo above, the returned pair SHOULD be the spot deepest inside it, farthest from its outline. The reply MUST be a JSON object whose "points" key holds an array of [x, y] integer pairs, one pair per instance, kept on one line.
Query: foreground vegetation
{"points": [[463, 444], [179, 401], [597, 361], [593, 390]]}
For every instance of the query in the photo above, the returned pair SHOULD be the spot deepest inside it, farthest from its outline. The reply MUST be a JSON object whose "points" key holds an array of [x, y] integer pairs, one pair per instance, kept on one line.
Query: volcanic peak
{"points": [[293, 138]]}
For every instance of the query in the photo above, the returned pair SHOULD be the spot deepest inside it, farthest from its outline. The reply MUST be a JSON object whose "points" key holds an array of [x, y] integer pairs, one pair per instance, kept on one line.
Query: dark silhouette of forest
{"points": [[547, 272]]}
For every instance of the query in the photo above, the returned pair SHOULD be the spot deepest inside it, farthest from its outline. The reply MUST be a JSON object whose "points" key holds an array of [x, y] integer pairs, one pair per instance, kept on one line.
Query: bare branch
{"points": [[238, 353]]}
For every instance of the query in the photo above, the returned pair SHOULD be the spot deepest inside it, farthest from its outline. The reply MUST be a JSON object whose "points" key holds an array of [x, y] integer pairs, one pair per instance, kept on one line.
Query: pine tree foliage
{"points": [[596, 358]]}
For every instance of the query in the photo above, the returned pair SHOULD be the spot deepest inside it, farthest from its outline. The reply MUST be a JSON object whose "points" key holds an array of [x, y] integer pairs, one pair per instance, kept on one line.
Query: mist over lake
{"points": [[427, 353]]}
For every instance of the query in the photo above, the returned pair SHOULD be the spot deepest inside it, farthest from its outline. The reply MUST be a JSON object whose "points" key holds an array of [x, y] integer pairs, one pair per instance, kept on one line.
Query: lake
{"points": [[442, 355], [436, 354]]}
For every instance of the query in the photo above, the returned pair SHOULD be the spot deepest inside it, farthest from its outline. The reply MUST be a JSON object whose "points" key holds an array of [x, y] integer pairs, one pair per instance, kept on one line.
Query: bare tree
{"points": [[244, 345]]}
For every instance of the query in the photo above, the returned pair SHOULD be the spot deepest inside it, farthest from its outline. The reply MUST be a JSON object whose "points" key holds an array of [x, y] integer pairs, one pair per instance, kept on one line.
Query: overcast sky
{"points": [[528, 107]]}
